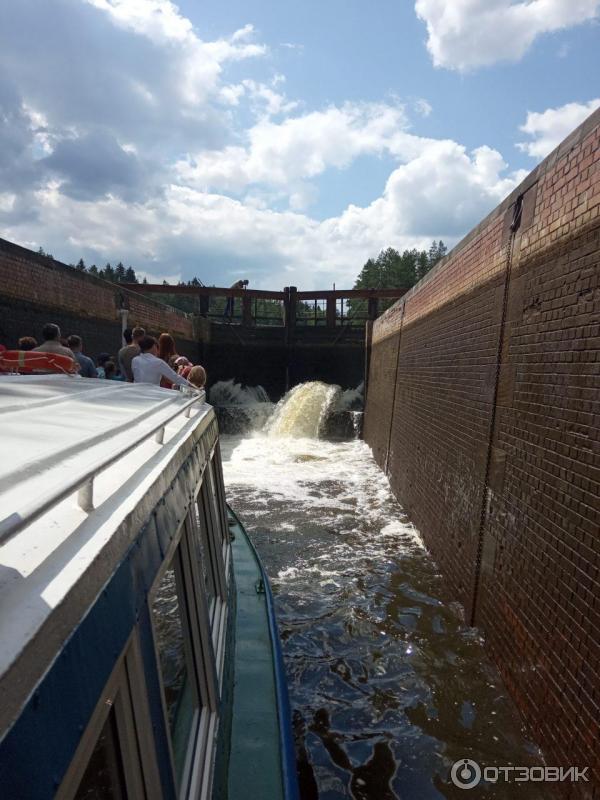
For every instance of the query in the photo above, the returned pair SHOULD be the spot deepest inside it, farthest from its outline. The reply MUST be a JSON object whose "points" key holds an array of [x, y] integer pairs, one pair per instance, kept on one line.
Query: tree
{"points": [[80, 265], [93, 270], [437, 251], [130, 276], [119, 273], [394, 270], [107, 273]]}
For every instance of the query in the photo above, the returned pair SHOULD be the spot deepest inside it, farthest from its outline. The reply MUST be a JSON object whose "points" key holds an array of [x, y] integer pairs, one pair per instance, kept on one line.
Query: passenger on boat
{"points": [[168, 353], [197, 376], [51, 344], [132, 349], [110, 372], [27, 343], [102, 359], [86, 365], [149, 368], [181, 362]]}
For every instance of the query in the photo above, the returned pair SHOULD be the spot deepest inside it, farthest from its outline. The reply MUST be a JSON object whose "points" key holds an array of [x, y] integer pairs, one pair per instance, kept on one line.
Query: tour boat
{"points": [[139, 654]]}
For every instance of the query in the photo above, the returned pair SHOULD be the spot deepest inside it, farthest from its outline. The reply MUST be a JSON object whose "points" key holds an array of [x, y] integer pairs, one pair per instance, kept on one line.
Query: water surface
{"points": [[388, 687]]}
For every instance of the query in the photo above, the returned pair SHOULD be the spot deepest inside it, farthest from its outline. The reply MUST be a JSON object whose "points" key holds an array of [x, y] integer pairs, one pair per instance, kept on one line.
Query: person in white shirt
{"points": [[148, 368]]}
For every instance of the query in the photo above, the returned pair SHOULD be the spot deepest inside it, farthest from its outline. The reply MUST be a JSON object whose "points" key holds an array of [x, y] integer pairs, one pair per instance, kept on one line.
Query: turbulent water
{"points": [[388, 687], [302, 412]]}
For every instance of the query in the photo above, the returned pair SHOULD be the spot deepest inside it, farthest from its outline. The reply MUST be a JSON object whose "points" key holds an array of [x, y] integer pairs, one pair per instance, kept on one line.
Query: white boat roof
{"points": [[55, 430]]}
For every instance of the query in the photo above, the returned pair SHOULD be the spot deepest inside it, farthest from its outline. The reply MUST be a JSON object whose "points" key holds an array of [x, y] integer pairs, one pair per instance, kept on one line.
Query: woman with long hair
{"points": [[168, 353]]}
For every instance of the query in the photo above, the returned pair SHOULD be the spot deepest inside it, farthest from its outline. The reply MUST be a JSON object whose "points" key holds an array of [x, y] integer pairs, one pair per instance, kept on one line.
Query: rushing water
{"points": [[388, 687]]}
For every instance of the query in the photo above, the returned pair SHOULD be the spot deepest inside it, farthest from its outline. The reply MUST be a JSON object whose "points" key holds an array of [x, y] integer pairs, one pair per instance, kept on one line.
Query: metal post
{"points": [[85, 496], [331, 317], [373, 307], [124, 314], [246, 310], [293, 302]]}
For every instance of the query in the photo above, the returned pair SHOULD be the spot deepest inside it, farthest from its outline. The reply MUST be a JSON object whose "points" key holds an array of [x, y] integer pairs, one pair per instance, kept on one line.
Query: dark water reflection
{"points": [[388, 687]]}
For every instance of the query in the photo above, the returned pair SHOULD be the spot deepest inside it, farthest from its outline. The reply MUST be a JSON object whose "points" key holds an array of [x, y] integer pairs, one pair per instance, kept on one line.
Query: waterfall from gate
{"points": [[303, 410]]}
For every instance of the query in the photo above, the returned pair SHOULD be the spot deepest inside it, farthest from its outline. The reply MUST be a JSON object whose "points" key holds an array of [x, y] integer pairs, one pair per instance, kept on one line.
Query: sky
{"points": [[283, 142]]}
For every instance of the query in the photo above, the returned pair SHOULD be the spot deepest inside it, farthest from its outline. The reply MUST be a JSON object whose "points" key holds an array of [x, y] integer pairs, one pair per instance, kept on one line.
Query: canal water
{"points": [[388, 687]]}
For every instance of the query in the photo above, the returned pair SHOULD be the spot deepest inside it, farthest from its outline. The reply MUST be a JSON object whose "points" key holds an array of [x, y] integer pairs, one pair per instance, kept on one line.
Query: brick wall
{"points": [[483, 407], [35, 290]]}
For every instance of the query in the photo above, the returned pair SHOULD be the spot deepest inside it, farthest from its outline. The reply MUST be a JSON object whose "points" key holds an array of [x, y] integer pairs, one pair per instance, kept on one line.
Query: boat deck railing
{"points": [[83, 482]]}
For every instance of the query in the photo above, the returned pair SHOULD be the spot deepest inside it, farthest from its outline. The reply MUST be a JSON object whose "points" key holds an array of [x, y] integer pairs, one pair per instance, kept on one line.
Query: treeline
{"points": [[392, 270], [117, 274]]}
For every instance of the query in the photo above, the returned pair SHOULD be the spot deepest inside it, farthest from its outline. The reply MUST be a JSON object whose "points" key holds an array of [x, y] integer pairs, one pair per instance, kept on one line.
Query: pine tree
{"points": [[130, 276], [93, 270], [80, 265], [119, 272], [107, 273]]}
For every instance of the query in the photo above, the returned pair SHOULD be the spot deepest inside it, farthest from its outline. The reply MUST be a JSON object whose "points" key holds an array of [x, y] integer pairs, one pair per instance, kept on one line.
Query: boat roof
{"points": [[58, 432]]}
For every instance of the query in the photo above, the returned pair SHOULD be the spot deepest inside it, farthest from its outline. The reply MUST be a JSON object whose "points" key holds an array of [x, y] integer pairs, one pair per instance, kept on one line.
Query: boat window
{"points": [[175, 659], [207, 557], [215, 502], [104, 777], [116, 757]]}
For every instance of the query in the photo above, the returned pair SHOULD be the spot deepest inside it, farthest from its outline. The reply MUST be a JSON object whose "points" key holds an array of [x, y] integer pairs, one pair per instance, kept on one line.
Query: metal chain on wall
{"points": [[389, 441], [514, 227]]}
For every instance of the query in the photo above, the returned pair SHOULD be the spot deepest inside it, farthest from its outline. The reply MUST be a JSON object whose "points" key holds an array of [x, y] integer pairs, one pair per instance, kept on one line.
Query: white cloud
{"points": [[441, 193], [422, 107], [198, 63], [299, 148], [146, 183], [550, 127], [466, 34]]}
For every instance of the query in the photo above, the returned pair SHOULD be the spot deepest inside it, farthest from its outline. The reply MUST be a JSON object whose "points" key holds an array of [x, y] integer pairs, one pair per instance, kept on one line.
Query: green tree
{"points": [[130, 276], [394, 270], [107, 273], [80, 265], [119, 273], [437, 251]]}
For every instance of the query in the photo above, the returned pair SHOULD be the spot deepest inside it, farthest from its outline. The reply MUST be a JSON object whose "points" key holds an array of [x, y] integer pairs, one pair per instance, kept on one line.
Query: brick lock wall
{"points": [[35, 290], [381, 388], [542, 534], [494, 447]]}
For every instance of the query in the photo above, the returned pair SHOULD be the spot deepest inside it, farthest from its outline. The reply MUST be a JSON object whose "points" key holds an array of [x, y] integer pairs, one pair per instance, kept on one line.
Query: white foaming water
{"points": [[317, 476], [230, 393], [351, 399], [303, 410]]}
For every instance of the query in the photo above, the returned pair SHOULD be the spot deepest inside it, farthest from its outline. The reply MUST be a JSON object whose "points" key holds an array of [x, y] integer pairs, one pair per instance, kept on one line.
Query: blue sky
{"points": [[281, 142]]}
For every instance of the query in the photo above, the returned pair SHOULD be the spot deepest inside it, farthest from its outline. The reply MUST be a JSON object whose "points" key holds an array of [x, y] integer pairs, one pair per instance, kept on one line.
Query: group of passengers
{"points": [[143, 359]]}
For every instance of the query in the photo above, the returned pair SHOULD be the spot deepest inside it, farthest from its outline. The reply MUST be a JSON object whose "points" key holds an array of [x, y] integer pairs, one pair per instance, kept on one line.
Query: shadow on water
{"points": [[389, 687]]}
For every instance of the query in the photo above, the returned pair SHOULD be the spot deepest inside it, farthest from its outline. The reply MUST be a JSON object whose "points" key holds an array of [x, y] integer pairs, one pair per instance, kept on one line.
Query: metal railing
{"points": [[83, 483], [289, 308]]}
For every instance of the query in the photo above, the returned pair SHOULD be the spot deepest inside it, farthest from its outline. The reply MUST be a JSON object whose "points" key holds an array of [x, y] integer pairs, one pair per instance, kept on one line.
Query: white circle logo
{"points": [[465, 773]]}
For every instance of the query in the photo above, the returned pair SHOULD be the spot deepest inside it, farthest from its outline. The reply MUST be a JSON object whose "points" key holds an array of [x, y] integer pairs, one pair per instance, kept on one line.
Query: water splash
{"points": [[230, 393], [303, 410], [352, 399], [240, 408]]}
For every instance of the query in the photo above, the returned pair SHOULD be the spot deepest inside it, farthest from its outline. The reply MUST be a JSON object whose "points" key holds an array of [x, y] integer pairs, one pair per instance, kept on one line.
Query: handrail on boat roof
{"points": [[84, 482]]}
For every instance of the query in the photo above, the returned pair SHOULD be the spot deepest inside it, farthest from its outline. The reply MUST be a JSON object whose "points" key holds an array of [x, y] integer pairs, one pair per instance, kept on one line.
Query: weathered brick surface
{"points": [[81, 303], [382, 387], [542, 535], [442, 415], [495, 444]]}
